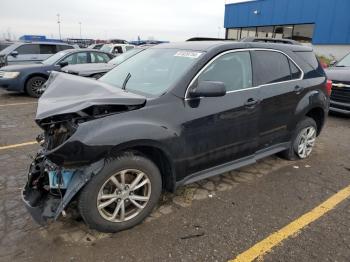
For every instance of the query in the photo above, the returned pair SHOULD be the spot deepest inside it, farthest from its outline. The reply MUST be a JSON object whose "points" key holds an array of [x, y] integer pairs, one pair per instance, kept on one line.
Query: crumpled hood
{"points": [[338, 74], [67, 93]]}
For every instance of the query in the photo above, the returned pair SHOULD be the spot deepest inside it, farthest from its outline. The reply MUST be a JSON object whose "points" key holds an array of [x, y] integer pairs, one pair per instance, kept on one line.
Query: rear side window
{"points": [[99, 57], [295, 71], [270, 67], [233, 69], [309, 58], [48, 49], [28, 49]]}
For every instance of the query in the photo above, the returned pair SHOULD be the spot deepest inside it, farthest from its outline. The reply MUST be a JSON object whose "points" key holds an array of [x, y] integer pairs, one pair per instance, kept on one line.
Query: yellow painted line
{"points": [[18, 104], [265, 246], [18, 145]]}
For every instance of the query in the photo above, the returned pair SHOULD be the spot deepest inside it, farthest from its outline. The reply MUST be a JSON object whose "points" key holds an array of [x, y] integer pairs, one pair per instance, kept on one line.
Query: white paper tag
{"points": [[188, 54]]}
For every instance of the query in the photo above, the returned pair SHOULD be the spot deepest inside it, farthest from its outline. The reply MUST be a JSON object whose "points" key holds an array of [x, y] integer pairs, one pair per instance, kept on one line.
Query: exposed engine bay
{"points": [[68, 102]]}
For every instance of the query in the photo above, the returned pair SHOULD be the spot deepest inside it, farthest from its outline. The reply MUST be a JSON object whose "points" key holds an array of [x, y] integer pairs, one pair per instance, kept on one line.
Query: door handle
{"points": [[251, 102], [298, 89]]}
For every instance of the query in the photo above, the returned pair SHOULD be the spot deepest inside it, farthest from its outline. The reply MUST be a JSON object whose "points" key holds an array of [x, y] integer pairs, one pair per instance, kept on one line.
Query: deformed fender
{"points": [[312, 99]]}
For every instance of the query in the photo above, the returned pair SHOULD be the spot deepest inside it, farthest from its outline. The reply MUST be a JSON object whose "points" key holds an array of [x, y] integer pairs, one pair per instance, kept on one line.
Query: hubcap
{"points": [[306, 142], [124, 195]]}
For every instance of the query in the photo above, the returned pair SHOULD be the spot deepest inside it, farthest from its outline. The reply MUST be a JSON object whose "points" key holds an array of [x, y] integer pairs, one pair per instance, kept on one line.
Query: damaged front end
{"points": [[65, 163]]}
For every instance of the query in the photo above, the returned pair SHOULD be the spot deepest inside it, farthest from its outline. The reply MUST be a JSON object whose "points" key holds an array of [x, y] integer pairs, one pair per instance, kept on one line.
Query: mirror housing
{"points": [[208, 89], [62, 64], [14, 53], [333, 62]]}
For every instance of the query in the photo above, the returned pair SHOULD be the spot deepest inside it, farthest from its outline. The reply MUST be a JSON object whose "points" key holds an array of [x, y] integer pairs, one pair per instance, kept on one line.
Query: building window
{"points": [[265, 31], [248, 32], [284, 31], [303, 33]]}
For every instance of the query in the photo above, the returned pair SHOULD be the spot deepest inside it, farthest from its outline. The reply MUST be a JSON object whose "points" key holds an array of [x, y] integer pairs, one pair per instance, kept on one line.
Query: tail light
{"points": [[329, 85]]}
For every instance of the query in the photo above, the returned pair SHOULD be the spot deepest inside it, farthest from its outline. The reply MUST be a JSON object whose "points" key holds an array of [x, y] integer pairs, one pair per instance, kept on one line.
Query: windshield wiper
{"points": [[126, 81]]}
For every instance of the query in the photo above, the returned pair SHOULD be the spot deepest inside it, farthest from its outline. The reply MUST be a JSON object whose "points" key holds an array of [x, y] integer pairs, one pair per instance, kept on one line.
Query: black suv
{"points": [[169, 116]]}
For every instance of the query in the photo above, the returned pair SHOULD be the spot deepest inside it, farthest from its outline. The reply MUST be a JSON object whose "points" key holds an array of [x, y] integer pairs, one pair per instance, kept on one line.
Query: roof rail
{"points": [[206, 39], [270, 40]]}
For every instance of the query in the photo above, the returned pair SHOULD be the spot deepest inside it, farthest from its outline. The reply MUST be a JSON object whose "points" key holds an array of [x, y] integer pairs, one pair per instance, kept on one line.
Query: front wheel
{"points": [[303, 140], [122, 195], [34, 86]]}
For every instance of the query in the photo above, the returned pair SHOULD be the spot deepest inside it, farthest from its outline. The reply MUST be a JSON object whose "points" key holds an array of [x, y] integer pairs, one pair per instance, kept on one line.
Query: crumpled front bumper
{"points": [[41, 204]]}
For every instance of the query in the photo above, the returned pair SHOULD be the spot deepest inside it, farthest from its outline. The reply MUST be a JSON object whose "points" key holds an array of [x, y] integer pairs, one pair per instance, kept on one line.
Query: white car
{"points": [[116, 49]]}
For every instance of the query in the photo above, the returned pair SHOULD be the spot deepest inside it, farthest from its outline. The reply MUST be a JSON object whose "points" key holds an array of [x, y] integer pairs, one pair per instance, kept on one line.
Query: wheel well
{"points": [[160, 159], [33, 75], [318, 115]]}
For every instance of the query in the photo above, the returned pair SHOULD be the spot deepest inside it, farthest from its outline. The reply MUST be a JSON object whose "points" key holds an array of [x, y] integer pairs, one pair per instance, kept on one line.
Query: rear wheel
{"points": [[34, 86], [303, 140], [122, 195]]}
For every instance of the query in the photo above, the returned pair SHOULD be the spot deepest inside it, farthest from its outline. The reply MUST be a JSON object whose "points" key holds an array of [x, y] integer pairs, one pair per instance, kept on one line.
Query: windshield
{"points": [[121, 58], [106, 48], [54, 58], [345, 62], [151, 72]]}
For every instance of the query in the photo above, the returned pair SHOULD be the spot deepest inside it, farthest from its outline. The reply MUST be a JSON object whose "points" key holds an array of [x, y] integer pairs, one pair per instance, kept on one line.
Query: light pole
{"points": [[80, 29], [59, 25]]}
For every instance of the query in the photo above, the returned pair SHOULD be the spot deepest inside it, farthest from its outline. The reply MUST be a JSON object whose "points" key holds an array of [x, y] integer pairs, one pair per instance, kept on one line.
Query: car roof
{"points": [[42, 43], [206, 46]]}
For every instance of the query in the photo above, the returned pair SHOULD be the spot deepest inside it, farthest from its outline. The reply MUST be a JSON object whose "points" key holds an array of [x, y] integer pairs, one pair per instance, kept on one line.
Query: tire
{"points": [[293, 153], [34, 85], [102, 185]]}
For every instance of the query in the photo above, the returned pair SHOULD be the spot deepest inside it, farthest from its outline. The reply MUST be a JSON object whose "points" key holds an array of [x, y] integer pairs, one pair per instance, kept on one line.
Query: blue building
{"points": [[325, 24]]}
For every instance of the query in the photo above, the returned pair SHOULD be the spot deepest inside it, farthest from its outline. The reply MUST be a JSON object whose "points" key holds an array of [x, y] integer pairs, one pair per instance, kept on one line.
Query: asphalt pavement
{"points": [[212, 220]]}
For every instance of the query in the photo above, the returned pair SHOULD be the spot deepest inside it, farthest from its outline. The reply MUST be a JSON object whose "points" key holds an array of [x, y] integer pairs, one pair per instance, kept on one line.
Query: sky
{"points": [[174, 20]]}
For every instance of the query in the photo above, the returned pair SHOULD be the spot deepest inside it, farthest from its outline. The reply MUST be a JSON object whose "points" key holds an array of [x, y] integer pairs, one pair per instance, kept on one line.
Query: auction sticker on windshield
{"points": [[188, 54]]}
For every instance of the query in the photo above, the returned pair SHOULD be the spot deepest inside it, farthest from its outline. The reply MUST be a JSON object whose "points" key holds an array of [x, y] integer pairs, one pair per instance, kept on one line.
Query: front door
{"points": [[222, 129]]}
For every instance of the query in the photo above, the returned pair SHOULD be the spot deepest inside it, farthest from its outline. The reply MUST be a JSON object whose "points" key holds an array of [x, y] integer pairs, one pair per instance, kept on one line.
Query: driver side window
{"points": [[233, 69]]}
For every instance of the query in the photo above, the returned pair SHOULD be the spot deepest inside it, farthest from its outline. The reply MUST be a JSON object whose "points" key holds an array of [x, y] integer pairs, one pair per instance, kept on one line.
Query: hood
{"points": [[67, 93], [83, 69], [23, 67], [338, 74]]}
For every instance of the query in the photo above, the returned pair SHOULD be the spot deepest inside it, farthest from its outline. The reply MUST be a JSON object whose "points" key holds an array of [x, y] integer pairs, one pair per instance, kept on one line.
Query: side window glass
{"points": [[63, 47], [28, 49], [295, 72], [233, 69], [99, 57], [71, 60], [82, 58], [47, 49], [270, 67]]}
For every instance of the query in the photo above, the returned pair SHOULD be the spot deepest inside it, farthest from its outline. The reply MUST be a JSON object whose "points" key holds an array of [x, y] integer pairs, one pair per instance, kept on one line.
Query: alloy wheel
{"points": [[306, 142], [124, 195]]}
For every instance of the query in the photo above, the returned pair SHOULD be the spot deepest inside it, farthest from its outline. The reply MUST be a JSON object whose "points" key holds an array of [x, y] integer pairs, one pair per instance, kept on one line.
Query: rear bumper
{"points": [[11, 84], [343, 108]]}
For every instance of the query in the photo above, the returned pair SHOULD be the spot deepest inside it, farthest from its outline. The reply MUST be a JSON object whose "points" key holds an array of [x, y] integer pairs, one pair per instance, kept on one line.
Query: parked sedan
{"points": [[96, 70], [340, 75], [30, 78]]}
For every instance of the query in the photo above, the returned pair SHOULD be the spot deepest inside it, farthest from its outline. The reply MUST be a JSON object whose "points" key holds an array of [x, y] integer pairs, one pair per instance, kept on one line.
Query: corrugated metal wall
{"points": [[331, 17]]}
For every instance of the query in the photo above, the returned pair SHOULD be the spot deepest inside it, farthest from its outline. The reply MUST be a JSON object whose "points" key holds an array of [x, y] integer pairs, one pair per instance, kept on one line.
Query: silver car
{"points": [[30, 52]]}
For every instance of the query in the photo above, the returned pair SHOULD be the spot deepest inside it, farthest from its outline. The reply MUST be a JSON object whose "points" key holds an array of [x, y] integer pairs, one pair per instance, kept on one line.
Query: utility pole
{"points": [[59, 25], [80, 29]]}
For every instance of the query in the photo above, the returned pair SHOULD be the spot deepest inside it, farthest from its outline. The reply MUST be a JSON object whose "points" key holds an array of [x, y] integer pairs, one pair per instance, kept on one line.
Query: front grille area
{"points": [[341, 92]]}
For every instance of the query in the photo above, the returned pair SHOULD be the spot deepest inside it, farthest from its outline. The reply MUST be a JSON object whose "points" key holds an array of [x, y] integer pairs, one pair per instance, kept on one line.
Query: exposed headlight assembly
{"points": [[10, 74]]}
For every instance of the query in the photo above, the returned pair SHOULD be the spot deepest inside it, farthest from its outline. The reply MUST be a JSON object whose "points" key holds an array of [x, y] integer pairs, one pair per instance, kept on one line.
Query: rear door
{"points": [[47, 50], [278, 78], [223, 129], [27, 53]]}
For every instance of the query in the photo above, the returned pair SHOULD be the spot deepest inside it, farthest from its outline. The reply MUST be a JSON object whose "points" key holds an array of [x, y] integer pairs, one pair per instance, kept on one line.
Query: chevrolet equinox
{"points": [[169, 116]]}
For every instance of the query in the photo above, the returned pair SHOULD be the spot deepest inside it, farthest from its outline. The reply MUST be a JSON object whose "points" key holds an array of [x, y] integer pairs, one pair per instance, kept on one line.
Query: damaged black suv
{"points": [[169, 116]]}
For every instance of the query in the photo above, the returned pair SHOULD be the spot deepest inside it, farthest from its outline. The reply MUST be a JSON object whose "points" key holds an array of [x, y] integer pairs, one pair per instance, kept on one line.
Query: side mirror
{"points": [[63, 64], [14, 53], [208, 89], [333, 62]]}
